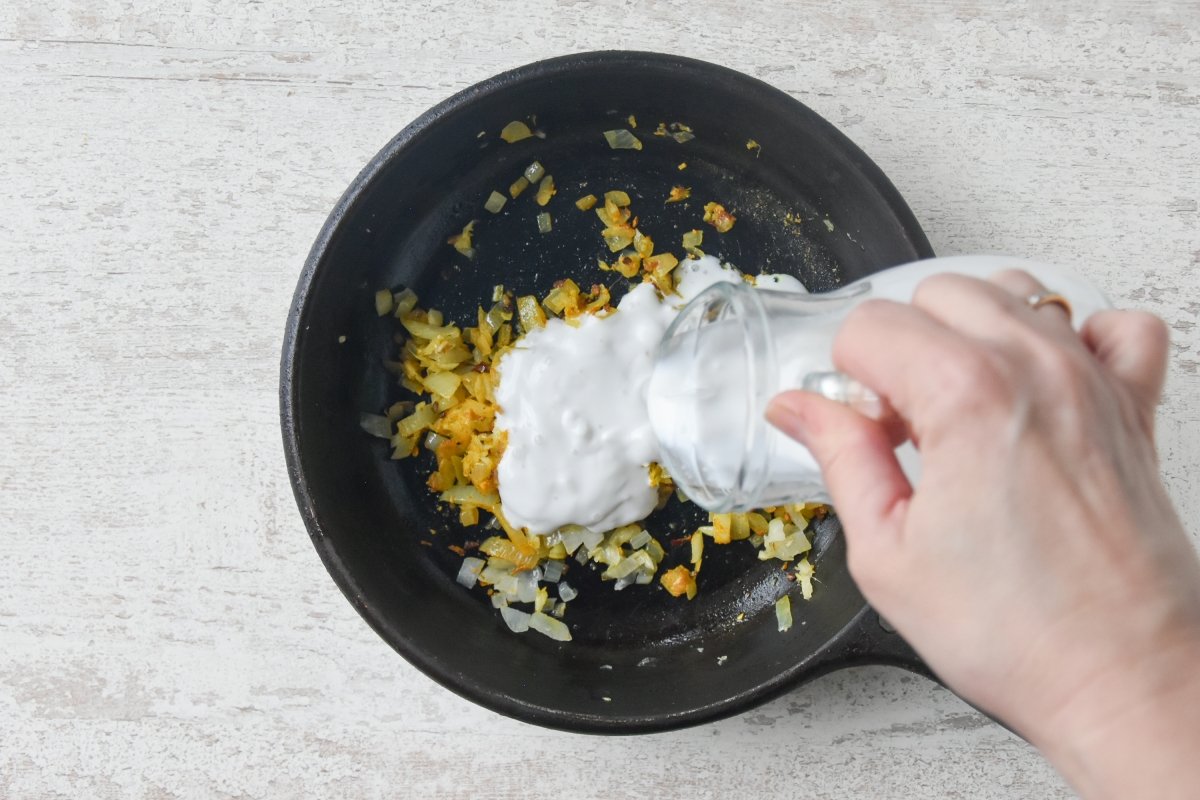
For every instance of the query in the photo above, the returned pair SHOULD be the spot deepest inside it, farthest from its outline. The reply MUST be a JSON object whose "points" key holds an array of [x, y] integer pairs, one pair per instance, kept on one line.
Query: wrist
{"points": [[1131, 732]]}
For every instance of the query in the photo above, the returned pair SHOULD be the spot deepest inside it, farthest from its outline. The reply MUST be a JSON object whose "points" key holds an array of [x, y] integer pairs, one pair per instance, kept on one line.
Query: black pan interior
{"points": [[641, 660]]}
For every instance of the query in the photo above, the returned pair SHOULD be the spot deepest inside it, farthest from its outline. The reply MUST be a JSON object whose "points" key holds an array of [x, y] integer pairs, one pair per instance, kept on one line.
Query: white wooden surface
{"points": [[166, 630]]}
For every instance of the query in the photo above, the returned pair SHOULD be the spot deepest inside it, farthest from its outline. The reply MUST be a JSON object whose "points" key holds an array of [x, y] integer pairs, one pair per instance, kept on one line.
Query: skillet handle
{"points": [[871, 640]]}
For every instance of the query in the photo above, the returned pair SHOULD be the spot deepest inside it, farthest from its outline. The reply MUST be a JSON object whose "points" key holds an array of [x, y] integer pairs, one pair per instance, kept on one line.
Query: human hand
{"points": [[1038, 566]]}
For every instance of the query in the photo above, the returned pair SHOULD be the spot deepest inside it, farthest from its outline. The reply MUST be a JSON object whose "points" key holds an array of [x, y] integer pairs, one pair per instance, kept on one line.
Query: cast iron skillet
{"points": [[640, 660]]}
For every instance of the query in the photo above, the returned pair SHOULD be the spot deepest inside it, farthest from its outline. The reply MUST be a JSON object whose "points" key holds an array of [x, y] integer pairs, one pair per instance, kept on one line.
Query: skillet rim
{"points": [[836, 653]]}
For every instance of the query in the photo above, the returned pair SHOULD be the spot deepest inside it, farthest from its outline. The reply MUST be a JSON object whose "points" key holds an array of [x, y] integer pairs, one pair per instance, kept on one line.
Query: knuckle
{"points": [[1017, 281], [930, 289], [1062, 365], [1147, 328], [856, 331], [975, 380], [1067, 392], [1070, 371], [864, 313]]}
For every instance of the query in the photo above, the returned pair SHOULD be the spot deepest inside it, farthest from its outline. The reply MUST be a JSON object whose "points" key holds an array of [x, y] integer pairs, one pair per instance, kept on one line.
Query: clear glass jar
{"points": [[734, 347]]}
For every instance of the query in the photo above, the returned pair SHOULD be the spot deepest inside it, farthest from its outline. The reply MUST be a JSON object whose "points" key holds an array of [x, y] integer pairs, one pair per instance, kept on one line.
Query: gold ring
{"points": [[1040, 299]]}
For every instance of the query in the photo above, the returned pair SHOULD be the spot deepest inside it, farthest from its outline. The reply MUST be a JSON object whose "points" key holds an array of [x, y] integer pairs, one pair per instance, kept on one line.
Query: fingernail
{"points": [[786, 412], [872, 407]]}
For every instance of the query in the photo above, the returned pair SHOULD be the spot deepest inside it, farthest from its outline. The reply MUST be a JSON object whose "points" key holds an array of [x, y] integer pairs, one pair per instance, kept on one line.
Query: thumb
{"points": [[857, 457], [1133, 346]]}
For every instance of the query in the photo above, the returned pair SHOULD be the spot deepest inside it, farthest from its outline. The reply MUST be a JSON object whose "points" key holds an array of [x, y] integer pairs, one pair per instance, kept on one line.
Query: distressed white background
{"points": [[166, 629]]}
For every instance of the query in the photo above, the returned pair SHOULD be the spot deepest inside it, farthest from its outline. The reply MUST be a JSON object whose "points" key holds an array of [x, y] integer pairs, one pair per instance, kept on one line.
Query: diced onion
{"points": [[566, 591], [527, 587], [628, 580], [722, 526], [376, 425], [719, 217], [530, 312], [517, 621], [405, 301], [783, 613], [655, 550], [644, 561], [623, 568], [545, 191], [504, 581], [426, 330], [383, 302], [506, 554], [443, 384], [468, 573], [775, 531], [495, 570], [403, 446], [617, 239], [400, 409], [678, 194], [619, 198], [515, 131], [783, 542], [622, 139], [571, 537], [534, 172], [592, 538], [544, 223], [640, 539], [552, 571], [469, 495], [679, 581], [462, 240], [804, 574], [495, 202], [549, 626], [495, 316]]}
